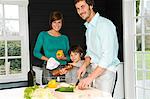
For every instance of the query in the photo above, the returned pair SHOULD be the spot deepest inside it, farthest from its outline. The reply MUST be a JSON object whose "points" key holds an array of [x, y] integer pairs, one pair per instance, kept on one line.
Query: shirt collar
{"points": [[93, 21]]}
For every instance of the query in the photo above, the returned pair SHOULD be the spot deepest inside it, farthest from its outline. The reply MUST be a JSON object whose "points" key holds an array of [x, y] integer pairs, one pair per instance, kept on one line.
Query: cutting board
{"points": [[90, 93]]}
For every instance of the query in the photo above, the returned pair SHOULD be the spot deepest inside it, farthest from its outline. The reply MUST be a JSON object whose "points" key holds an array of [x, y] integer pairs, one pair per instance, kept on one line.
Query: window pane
{"points": [[147, 85], [147, 93], [147, 24], [139, 93], [12, 27], [14, 48], [147, 43], [9, 9], [148, 78], [147, 15], [1, 25], [137, 7], [2, 67], [1, 11], [2, 48], [139, 78], [139, 26], [138, 43], [147, 59], [139, 75], [15, 66], [139, 61]]}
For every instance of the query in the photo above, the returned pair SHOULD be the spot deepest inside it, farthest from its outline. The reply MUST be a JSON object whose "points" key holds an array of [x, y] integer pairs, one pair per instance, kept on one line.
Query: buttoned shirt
{"points": [[102, 42]]}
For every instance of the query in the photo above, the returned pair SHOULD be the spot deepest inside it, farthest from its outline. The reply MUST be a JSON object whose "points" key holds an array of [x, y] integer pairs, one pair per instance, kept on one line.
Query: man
{"points": [[102, 48]]}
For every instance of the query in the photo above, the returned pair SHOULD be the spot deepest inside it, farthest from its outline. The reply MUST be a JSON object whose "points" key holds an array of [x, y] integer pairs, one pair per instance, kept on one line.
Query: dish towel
{"points": [[52, 63]]}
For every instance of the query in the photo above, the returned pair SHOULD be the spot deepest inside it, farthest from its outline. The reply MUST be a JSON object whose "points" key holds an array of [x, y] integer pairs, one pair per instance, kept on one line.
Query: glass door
{"points": [[142, 49]]}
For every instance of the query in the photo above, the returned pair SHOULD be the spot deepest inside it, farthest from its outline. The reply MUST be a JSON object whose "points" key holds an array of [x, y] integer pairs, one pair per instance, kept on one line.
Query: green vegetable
{"points": [[65, 89], [43, 93], [28, 91]]}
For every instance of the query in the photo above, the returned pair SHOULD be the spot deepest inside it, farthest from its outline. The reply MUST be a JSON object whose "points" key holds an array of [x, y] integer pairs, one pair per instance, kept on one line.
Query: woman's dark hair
{"points": [[89, 2], [55, 15], [77, 49]]}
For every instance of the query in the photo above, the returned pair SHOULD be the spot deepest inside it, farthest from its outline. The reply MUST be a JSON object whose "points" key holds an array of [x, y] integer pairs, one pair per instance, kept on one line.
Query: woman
{"points": [[51, 41]]}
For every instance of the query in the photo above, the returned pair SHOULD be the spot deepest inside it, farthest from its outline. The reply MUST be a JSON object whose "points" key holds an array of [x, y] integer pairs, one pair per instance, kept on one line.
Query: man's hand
{"points": [[81, 72], [82, 69], [85, 83]]}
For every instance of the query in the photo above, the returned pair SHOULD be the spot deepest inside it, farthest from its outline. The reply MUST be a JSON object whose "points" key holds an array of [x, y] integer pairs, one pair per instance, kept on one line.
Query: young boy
{"points": [[70, 70]]}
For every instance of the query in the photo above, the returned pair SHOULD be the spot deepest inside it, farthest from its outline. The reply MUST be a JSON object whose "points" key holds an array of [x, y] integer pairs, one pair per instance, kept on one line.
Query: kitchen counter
{"points": [[91, 93]]}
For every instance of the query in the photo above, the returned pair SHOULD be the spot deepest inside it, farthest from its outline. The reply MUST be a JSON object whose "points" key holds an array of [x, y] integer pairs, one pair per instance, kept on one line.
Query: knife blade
{"points": [[77, 82]]}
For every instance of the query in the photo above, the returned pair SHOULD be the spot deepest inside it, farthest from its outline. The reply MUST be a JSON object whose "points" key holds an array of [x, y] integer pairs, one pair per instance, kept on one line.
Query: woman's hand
{"points": [[61, 57], [44, 58]]}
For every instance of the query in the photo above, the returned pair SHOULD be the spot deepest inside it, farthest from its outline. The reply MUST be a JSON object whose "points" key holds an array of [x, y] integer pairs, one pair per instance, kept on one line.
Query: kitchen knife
{"points": [[77, 82]]}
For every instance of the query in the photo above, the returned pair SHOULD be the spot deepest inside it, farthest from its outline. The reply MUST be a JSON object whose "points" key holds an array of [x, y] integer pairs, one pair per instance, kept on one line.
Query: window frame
{"points": [[130, 52], [24, 37], [128, 34]]}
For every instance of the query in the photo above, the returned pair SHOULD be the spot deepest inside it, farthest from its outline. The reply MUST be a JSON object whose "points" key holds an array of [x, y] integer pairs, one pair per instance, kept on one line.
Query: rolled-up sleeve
{"points": [[109, 48]]}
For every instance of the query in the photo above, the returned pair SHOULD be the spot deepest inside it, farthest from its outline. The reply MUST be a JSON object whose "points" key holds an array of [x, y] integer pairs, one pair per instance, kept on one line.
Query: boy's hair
{"points": [[89, 2], [77, 49]]}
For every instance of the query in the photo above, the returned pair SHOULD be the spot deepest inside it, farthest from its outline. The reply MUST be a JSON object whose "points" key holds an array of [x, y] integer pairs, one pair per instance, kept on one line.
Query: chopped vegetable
{"points": [[29, 91], [65, 89], [52, 84], [37, 92], [42, 93]]}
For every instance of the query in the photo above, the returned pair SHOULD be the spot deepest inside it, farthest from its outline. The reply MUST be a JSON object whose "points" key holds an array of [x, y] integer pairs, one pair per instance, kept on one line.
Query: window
{"points": [[137, 48], [14, 47], [142, 50]]}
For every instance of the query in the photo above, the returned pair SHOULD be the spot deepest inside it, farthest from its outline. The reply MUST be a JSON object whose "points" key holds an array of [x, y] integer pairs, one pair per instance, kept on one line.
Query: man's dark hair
{"points": [[89, 2]]}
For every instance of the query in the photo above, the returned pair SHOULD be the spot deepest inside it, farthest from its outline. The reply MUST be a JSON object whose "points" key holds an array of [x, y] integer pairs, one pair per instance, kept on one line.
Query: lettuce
{"points": [[29, 91], [37, 92]]}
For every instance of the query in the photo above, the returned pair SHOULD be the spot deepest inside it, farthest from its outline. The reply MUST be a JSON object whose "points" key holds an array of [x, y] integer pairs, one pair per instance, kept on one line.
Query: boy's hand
{"points": [[73, 64], [63, 71]]}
